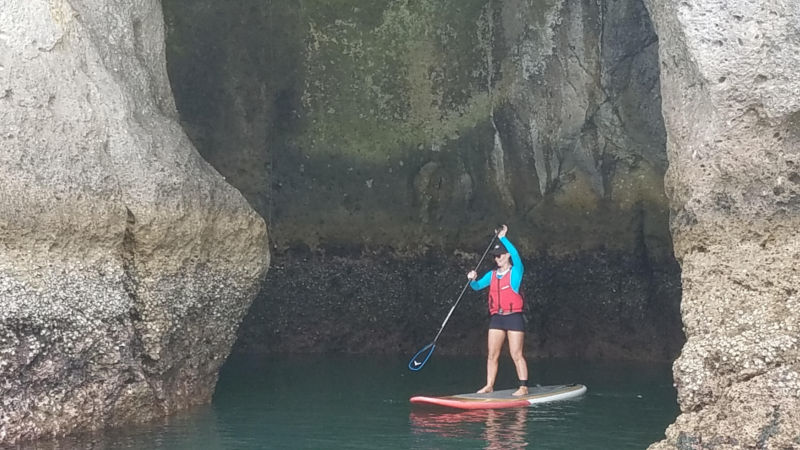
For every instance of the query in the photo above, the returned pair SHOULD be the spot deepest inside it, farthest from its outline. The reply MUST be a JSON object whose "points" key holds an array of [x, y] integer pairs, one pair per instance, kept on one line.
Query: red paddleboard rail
{"points": [[504, 398], [461, 404]]}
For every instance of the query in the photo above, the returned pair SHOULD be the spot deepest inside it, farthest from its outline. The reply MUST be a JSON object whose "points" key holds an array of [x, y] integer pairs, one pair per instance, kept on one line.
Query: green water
{"points": [[325, 402]]}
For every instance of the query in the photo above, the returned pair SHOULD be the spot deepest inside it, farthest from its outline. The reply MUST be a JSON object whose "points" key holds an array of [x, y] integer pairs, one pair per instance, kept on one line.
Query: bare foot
{"points": [[486, 389], [523, 390]]}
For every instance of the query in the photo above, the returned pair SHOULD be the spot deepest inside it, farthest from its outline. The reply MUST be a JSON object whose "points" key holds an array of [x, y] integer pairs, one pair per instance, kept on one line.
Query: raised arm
{"points": [[518, 269]]}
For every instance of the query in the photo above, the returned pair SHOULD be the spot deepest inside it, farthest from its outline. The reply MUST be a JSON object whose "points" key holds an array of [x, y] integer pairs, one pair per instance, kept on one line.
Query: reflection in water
{"points": [[499, 428], [196, 428]]}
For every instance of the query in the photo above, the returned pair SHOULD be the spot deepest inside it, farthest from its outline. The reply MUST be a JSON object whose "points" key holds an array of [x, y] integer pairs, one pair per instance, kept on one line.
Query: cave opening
{"points": [[383, 143]]}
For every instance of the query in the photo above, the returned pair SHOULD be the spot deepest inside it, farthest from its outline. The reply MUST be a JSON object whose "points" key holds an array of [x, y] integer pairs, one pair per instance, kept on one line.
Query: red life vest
{"points": [[502, 298]]}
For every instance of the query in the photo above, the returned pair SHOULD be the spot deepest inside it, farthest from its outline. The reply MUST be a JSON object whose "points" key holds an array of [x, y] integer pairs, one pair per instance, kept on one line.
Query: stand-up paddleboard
{"points": [[504, 399]]}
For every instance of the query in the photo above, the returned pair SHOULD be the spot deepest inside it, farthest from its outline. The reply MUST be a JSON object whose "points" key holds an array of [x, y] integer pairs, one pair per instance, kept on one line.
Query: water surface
{"points": [[320, 402]]}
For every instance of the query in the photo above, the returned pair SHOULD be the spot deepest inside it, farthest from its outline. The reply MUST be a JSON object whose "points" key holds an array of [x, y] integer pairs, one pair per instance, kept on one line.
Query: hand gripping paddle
{"points": [[422, 356]]}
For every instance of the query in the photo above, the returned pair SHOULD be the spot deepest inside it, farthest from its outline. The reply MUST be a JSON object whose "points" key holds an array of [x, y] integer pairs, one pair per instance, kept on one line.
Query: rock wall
{"points": [[731, 100], [377, 302], [418, 124], [409, 130], [126, 261]]}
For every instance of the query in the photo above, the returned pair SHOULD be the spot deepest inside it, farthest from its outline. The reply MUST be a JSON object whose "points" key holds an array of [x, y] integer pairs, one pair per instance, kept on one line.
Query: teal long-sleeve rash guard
{"points": [[517, 269]]}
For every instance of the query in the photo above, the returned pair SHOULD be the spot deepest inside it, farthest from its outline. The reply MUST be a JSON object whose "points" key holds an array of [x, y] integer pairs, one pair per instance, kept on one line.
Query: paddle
{"points": [[422, 356]]}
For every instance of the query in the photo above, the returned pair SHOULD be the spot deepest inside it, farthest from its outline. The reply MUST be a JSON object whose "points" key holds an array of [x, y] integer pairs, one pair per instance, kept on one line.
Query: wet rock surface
{"points": [[363, 301], [731, 106], [126, 261]]}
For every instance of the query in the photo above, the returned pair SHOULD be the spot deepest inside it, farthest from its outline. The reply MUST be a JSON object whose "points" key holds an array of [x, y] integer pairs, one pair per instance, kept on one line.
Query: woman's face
{"points": [[502, 260]]}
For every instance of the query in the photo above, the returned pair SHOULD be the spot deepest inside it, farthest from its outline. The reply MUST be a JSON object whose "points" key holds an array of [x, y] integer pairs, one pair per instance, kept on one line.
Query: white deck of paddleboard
{"points": [[536, 394]]}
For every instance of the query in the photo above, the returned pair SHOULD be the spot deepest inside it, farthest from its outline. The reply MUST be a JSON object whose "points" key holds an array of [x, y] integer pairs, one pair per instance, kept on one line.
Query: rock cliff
{"points": [[731, 100], [126, 261], [383, 140], [393, 136]]}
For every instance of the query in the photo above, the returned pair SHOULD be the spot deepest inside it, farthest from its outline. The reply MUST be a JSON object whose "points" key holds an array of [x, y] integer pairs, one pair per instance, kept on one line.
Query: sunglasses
{"points": [[498, 256]]}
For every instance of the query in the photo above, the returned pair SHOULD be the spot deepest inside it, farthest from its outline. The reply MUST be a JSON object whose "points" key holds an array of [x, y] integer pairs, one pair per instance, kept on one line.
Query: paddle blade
{"points": [[421, 357]]}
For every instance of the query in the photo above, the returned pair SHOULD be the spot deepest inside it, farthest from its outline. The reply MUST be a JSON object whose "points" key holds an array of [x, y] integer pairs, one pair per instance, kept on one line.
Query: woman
{"points": [[505, 308]]}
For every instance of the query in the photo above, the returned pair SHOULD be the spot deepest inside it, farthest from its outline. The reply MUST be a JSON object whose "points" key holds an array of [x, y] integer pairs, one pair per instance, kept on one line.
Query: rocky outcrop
{"points": [[126, 261], [731, 100]]}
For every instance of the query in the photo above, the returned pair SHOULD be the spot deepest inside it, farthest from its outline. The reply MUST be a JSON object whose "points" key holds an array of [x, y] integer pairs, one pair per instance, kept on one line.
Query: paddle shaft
{"points": [[416, 364], [453, 308]]}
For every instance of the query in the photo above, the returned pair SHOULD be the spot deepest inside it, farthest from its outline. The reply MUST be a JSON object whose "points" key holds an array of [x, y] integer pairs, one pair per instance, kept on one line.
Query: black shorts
{"points": [[508, 322]]}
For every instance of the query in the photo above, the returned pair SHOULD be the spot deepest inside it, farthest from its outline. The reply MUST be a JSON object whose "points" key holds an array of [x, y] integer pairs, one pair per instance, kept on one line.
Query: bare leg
{"points": [[495, 340], [516, 340]]}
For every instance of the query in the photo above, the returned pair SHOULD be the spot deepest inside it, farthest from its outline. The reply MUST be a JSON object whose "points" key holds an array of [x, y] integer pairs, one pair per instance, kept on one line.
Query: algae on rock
{"points": [[539, 112]]}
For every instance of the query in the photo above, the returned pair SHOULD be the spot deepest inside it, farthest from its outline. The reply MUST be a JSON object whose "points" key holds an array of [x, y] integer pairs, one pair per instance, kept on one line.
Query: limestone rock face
{"points": [[126, 261], [731, 100]]}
